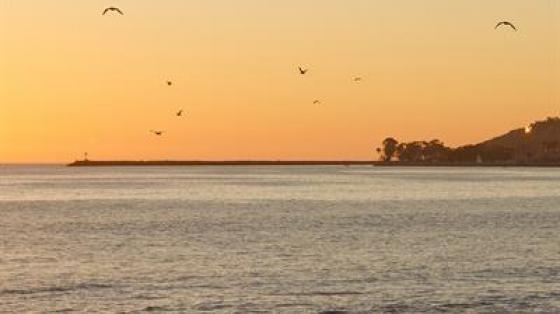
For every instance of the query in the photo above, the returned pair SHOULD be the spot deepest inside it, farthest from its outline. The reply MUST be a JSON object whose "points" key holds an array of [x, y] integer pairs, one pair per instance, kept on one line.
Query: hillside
{"points": [[538, 142]]}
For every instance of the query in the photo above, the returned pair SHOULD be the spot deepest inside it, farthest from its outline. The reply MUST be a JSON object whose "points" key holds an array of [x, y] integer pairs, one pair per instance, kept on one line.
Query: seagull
{"points": [[114, 9], [179, 113], [317, 102], [506, 23], [302, 71], [169, 83], [157, 133]]}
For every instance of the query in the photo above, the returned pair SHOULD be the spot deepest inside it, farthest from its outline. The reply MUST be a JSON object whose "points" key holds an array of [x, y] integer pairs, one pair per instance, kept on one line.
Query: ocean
{"points": [[279, 239]]}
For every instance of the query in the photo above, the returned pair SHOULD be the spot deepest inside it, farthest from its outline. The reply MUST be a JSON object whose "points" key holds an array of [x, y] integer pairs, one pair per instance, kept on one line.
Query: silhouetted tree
{"points": [[379, 153], [410, 152], [400, 151], [435, 150], [389, 148], [468, 153]]}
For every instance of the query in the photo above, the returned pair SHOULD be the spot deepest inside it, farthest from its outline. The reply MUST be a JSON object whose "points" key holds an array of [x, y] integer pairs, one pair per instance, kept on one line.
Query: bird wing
{"points": [[105, 11], [505, 23], [502, 24], [119, 10]]}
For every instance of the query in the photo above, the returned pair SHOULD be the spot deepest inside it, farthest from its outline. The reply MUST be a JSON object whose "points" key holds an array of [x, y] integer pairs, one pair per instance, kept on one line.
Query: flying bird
{"points": [[506, 23], [179, 113], [157, 133], [169, 83], [358, 79], [317, 102], [113, 9], [302, 71]]}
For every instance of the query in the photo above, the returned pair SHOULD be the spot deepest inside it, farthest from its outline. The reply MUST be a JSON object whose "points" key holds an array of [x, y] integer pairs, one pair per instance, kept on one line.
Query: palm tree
{"points": [[379, 153]]}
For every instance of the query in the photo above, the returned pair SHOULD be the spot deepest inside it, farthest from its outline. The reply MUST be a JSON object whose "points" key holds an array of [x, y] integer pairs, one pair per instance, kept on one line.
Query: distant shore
{"points": [[125, 163]]}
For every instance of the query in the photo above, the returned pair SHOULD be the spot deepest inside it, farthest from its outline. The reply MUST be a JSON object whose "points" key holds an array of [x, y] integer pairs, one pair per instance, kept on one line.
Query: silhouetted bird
{"points": [[316, 102], [506, 23], [358, 79], [169, 83], [302, 71], [114, 9], [179, 113], [158, 133]]}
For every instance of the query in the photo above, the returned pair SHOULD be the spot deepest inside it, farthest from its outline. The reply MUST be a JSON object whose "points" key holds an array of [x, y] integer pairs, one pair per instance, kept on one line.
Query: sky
{"points": [[74, 81]]}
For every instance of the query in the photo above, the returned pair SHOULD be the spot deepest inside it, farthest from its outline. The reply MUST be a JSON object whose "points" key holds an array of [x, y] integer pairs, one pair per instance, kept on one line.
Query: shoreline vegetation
{"points": [[537, 145]]}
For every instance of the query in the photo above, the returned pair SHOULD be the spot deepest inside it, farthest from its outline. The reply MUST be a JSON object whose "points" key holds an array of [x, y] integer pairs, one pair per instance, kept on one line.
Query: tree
{"points": [[435, 151], [389, 148], [411, 152], [468, 153], [380, 153]]}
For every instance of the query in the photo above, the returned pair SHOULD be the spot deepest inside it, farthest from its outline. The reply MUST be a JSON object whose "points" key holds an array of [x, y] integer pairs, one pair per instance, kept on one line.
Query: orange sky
{"points": [[72, 80]]}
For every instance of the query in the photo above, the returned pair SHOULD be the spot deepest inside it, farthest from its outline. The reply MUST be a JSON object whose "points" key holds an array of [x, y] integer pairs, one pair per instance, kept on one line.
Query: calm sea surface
{"points": [[279, 239]]}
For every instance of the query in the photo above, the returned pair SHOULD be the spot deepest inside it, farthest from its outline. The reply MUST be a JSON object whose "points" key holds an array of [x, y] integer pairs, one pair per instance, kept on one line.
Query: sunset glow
{"points": [[74, 81]]}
